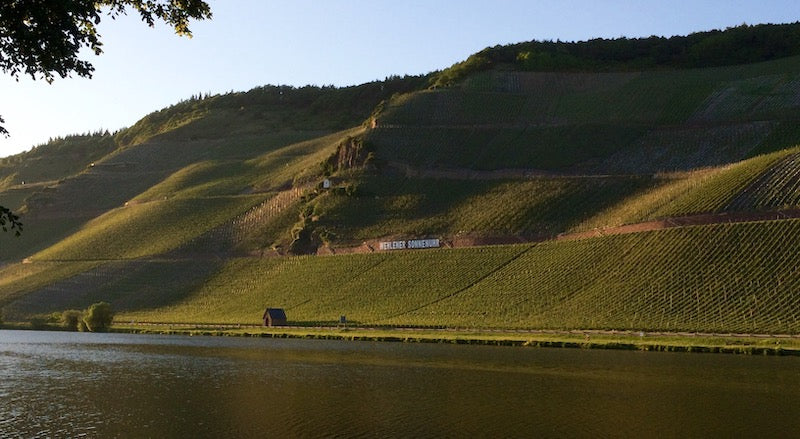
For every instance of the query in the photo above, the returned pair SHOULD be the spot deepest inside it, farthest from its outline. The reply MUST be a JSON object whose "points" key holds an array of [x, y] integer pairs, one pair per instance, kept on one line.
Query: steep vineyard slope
{"points": [[596, 123], [762, 183], [730, 278], [71, 181]]}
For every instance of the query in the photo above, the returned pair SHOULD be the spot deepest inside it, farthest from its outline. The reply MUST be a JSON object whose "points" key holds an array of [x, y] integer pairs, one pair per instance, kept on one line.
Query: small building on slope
{"points": [[274, 317]]}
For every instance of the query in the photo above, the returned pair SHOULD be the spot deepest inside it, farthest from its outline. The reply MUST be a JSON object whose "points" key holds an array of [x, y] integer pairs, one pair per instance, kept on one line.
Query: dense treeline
{"points": [[737, 45]]}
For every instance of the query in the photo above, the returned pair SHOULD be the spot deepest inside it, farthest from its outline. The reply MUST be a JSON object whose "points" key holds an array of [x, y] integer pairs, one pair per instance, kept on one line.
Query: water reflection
{"points": [[114, 385]]}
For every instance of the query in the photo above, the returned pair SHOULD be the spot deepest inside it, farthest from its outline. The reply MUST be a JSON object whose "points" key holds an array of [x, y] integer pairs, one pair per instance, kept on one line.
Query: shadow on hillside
{"points": [[392, 205], [128, 285]]}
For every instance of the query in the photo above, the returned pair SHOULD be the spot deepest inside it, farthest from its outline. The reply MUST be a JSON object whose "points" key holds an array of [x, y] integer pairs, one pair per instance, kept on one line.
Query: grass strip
{"points": [[746, 345]]}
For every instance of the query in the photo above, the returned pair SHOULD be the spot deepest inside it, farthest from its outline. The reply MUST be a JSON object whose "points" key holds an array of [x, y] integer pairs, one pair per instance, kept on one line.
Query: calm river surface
{"points": [[124, 385]]}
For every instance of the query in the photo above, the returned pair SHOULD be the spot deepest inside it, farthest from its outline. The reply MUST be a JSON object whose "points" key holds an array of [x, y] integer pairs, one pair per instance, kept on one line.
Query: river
{"points": [[59, 384]]}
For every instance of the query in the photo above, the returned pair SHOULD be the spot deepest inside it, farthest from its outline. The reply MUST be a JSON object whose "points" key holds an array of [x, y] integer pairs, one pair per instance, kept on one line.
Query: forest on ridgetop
{"points": [[736, 45]]}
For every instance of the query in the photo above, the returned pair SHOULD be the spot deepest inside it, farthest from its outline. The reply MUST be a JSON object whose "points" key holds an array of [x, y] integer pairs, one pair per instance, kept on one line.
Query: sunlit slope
{"points": [[70, 181], [54, 160], [734, 277], [385, 206], [147, 229], [130, 171], [199, 210], [267, 109], [739, 277], [777, 188], [52, 213], [481, 208], [33, 176], [629, 122], [284, 167], [532, 208], [226, 129], [763, 183], [282, 177]]}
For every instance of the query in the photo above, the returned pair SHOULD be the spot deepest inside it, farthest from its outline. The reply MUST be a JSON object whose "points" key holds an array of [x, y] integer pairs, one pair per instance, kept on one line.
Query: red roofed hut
{"points": [[274, 317]]}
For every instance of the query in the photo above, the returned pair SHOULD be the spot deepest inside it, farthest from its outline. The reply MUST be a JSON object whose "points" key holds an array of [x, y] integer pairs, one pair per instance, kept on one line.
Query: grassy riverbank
{"points": [[750, 345]]}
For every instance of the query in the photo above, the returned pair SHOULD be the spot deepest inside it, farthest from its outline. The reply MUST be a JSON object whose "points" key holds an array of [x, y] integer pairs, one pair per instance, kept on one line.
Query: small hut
{"points": [[274, 317]]}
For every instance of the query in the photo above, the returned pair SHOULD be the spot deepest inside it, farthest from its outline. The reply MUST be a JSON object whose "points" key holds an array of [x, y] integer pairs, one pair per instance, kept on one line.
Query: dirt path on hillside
{"points": [[495, 174], [683, 221], [460, 241]]}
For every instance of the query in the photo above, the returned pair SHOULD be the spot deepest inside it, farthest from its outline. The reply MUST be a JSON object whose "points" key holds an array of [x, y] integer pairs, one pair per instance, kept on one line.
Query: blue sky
{"points": [[340, 42]]}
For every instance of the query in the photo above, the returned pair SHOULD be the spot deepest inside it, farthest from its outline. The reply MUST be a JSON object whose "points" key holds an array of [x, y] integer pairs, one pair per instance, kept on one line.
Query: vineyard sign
{"points": [[410, 244]]}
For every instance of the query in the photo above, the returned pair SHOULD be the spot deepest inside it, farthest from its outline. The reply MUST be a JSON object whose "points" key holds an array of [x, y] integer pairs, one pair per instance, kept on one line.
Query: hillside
{"points": [[745, 44], [265, 126], [663, 196], [596, 123], [703, 278]]}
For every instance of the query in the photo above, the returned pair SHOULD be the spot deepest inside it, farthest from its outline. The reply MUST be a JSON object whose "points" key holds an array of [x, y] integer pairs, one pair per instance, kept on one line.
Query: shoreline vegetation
{"points": [[623, 340], [742, 344]]}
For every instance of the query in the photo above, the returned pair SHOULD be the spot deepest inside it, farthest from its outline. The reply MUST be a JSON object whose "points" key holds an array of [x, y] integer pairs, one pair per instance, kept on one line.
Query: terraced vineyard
{"points": [[124, 233], [281, 166], [778, 187], [740, 278], [534, 208], [630, 122], [733, 277], [715, 190], [133, 284], [541, 207]]}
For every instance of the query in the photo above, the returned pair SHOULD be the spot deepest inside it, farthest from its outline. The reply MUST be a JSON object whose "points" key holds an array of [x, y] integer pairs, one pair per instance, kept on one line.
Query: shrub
{"points": [[38, 322], [71, 318], [97, 317]]}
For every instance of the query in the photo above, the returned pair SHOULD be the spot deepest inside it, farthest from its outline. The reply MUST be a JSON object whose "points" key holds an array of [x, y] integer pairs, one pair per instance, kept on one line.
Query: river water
{"points": [[57, 384]]}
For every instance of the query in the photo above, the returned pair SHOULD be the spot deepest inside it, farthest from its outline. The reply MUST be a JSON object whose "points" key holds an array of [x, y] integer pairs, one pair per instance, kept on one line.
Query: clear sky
{"points": [[340, 42]]}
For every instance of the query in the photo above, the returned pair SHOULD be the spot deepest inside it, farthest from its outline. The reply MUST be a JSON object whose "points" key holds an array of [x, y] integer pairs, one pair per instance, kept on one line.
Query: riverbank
{"points": [[675, 342]]}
